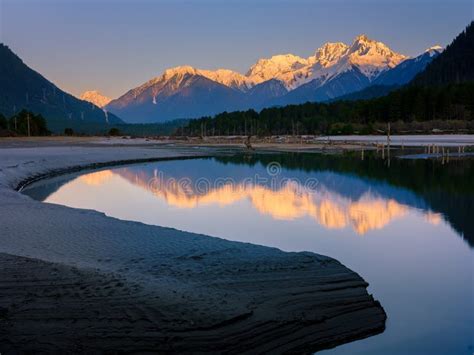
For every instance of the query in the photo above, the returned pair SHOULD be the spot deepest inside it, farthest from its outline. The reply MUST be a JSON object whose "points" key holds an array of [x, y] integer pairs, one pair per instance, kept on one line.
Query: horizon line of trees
{"points": [[408, 104]]}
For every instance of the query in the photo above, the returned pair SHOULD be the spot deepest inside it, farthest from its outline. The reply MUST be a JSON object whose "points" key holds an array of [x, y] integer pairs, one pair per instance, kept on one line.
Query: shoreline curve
{"points": [[79, 280]]}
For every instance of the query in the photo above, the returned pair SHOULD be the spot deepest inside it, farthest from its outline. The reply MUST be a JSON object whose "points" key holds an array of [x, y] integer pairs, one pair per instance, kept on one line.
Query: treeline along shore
{"points": [[411, 109]]}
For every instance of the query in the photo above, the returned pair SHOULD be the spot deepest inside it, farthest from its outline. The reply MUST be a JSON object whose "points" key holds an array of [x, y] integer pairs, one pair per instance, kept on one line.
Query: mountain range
{"points": [[334, 70], [23, 88], [437, 98], [392, 79]]}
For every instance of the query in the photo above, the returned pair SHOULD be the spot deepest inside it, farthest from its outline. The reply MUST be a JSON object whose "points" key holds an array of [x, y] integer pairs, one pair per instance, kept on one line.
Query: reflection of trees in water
{"points": [[447, 189]]}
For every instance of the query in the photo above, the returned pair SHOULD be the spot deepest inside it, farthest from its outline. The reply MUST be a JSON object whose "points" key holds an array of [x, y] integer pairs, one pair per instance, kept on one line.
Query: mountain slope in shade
{"points": [[23, 88], [369, 92], [322, 90], [263, 93], [95, 97], [454, 65], [394, 78], [408, 69], [177, 93]]}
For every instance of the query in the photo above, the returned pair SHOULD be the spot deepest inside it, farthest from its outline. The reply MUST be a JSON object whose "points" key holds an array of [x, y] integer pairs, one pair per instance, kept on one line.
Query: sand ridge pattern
{"points": [[51, 307]]}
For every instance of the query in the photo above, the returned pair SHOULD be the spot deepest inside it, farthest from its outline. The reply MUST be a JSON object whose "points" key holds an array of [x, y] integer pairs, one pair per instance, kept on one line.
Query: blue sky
{"points": [[113, 46]]}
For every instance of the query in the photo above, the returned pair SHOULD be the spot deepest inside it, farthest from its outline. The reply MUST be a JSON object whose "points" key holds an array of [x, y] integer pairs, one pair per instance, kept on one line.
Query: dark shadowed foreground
{"points": [[78, 281], [312, 305]]}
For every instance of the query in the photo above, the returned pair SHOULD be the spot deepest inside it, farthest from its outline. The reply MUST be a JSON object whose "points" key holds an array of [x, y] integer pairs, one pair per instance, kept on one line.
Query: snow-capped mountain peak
{"points": [[332, 70], [372, 57], [275, 67], [333, 58], [223, 76], [329, 54], [374, 51], [229, 78], [95, 97], [180, 70], [434, 50], [408, 69]]}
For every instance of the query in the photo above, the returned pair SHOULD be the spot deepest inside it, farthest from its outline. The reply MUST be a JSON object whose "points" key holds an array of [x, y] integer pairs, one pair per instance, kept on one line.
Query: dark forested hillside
{"points": [[23, 88], [454, 65]]}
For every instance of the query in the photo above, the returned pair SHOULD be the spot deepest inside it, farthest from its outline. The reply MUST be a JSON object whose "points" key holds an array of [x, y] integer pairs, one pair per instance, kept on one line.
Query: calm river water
{"points": [[407, 228]]}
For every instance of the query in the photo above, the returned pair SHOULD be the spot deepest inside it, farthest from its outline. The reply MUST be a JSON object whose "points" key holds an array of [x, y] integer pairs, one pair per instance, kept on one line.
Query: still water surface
{"points": [[407, 229]]}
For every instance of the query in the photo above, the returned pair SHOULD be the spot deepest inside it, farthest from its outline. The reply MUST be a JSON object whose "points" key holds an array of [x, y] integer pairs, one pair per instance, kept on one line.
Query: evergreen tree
{"points": [[37, 124], [3, 122]]}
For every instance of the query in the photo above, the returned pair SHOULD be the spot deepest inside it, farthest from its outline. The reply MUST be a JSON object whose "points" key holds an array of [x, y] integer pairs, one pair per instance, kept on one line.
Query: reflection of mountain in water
{"points": [[362, 195], [283, 200], [424, 184]]}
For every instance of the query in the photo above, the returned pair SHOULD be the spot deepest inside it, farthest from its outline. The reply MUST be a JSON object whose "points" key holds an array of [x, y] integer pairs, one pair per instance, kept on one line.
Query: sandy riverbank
{"points": [[276, 143], [81, 281]]}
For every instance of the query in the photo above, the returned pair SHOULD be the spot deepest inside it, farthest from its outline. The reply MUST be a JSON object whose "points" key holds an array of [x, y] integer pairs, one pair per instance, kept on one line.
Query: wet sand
{"points": [[79, 281]]}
